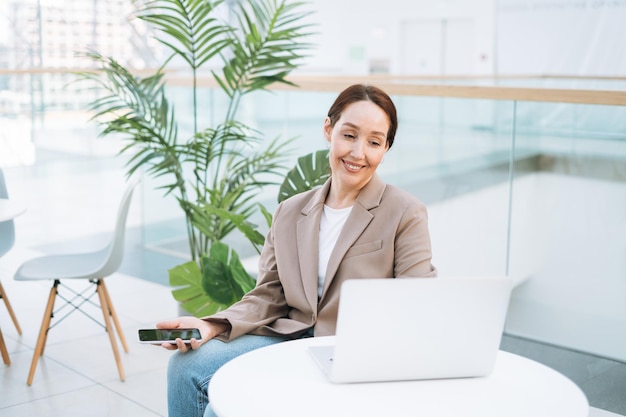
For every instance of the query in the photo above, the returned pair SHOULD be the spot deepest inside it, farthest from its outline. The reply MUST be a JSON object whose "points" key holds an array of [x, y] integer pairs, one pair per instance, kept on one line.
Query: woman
{"points": [[355, 226]]}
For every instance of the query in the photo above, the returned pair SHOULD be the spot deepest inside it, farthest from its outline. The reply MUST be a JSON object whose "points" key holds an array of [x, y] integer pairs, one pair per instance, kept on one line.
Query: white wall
{"points": [[351, 35], [565, 37], [481, 37]]}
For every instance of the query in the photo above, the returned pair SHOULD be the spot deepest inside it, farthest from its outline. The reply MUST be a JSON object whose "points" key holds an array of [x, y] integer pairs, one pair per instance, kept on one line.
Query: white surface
{"points": [[10, 209], [283, 380]]}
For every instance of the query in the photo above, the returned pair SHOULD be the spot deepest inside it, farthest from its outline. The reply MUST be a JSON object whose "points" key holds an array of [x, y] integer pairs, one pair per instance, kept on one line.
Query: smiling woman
{"points": [[354, 226]]}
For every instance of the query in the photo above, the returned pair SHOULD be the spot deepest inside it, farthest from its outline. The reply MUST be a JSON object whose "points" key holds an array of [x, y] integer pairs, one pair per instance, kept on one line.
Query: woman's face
{"points": [[358, 143]]}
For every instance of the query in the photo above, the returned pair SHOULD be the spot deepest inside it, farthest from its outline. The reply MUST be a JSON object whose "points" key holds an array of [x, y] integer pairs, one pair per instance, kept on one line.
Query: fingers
{"points": [[182, 346], [168, 346], [195, 344], [177, 345]]}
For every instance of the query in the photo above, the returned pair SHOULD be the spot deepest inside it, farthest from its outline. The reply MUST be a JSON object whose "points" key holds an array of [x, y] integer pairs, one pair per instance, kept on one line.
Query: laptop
{"points": [[416, 328]]}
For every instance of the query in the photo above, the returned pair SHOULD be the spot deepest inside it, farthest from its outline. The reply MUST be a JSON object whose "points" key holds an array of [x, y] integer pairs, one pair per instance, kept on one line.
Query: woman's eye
{"points": [[348, 136]]}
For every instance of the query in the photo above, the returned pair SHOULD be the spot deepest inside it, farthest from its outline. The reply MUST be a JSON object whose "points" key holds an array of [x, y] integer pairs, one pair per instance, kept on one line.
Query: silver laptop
{"points": [[416, 328]]}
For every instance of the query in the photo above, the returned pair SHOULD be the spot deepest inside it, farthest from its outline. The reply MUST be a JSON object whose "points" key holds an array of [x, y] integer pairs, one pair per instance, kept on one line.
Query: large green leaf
{"points": [[217, 279], [186, 280], [221, 282], [310, 171], [224, 279]]}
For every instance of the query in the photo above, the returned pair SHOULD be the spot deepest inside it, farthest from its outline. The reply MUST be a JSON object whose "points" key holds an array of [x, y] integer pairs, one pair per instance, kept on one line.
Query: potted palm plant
{"points": [[215, 172]]}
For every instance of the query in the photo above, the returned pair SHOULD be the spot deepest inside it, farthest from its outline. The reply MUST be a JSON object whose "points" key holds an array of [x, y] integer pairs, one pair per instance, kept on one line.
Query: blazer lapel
{"points": [[307, 236], [359, 219]]}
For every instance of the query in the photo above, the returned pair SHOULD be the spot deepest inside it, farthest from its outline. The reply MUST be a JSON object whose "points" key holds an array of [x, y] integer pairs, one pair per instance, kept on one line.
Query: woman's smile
{"points": [[350, 166]]}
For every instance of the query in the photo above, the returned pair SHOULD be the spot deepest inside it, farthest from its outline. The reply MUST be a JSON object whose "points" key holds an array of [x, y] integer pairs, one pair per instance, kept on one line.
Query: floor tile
{"points": [[52, 378], [602, 380], [608, 390], [141, 301], [93, 401], [148, 388], [578, 367]]}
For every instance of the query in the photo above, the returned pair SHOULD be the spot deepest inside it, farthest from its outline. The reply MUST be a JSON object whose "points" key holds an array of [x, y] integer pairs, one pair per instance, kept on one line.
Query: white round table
{"points": [[10, 209], [282, 380]]}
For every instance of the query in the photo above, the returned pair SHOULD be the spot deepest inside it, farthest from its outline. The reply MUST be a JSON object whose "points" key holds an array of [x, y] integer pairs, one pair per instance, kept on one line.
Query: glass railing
{"points": [[525, 178]]}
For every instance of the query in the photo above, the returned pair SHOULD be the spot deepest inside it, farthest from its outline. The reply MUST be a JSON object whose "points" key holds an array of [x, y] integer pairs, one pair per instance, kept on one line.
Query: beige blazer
{"points": [[385, 235]]}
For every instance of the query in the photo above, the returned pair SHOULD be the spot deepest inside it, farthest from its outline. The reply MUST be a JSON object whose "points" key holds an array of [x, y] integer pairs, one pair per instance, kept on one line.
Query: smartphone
{"points": [[168, 335]]}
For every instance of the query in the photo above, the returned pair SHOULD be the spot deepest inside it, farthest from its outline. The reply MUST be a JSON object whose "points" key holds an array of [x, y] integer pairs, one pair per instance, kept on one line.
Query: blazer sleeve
{"points": [[413, 252]]}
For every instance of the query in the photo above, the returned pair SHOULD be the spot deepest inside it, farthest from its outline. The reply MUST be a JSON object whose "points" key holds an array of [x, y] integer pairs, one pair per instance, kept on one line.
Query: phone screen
{"points": [[167, 335]]}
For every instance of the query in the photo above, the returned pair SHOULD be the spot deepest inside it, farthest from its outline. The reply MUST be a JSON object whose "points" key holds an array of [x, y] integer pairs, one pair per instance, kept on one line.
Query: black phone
{"points": [[168, 335]]}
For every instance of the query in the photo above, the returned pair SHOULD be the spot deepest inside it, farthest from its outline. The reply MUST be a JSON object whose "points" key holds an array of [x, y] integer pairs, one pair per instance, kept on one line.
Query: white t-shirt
{"points": [[330, 227]]}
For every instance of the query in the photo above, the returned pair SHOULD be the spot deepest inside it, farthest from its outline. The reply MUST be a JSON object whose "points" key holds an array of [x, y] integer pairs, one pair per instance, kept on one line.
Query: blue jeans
{"points": [[189, 374]]}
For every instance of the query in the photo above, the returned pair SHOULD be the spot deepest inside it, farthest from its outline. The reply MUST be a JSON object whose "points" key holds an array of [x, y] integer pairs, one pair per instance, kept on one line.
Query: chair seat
{"points": [[87, 265]]}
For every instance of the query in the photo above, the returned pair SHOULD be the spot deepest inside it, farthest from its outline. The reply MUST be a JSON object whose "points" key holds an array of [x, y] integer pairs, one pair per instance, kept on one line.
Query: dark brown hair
{"points": [[362, 92]]}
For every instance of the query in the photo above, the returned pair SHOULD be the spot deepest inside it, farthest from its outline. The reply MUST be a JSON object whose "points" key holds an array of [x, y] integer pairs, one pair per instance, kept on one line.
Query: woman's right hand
{"points": [[207, 329]]}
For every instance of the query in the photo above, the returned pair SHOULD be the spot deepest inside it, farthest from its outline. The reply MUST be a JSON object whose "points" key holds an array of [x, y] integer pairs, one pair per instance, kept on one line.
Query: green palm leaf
{"points": [[137, 109], [310, 171], [196, 37], [268, 49]]}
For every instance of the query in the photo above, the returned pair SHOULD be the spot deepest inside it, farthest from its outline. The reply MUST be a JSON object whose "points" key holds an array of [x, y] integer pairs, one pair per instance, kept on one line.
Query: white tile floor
{"points": [[77, 375]]}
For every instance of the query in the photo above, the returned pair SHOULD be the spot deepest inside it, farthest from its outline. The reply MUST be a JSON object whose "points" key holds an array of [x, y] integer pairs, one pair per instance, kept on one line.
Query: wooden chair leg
{"points": [[3, 295], [43, 332], [4, 351], [116, 322], [106, 312]]}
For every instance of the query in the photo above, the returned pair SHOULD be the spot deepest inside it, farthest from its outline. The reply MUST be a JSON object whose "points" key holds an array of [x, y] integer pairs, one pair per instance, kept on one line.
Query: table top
{"points": [[10, 209], [283, 380]]}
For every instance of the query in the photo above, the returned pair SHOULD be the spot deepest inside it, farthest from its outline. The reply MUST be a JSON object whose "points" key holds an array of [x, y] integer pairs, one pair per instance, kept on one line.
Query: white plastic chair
{"points": [[90, 266], [7, 238]]}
